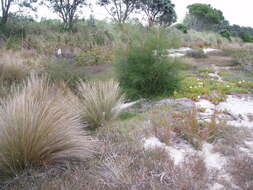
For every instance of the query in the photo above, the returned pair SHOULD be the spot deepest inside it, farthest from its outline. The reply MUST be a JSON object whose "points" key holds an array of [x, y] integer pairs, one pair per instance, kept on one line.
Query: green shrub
{"points": [[246, 37], [226, 34], [96, 56], [39, 128], [182, 28], [100, 101], [127, 115], [144, 70], [13, 43]]}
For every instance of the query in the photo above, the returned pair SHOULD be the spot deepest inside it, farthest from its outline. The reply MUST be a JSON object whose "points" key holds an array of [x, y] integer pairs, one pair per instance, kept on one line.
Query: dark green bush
{"points": [[182, 28], [226, 34], [246, 37], [144, 69]]}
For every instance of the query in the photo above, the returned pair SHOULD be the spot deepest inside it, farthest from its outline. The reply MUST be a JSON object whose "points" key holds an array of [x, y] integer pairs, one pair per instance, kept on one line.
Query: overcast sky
{"points": [[236, 12]]}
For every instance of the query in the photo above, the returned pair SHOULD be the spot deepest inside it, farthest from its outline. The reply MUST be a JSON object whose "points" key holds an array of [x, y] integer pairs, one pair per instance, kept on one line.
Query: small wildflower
{"points": [[190, 86]]}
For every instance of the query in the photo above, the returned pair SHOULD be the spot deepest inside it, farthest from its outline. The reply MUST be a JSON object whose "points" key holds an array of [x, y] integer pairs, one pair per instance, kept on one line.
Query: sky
{"points": [[236, 12]]}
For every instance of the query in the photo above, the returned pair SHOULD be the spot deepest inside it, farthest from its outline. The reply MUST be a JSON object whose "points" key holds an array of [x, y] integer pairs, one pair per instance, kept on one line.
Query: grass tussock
{"points": [[12, 69], [39, 128], [100, 101]]}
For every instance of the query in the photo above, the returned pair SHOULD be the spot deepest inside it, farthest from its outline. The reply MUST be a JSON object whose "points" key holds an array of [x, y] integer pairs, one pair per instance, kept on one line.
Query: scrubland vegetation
{"points": [[107, 105]]}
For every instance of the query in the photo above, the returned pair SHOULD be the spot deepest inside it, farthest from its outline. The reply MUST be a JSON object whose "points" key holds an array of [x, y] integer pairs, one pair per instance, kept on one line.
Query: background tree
{"points": [[66, 9], [7, 4], [203, 17], [119, 10], [159, 11]]}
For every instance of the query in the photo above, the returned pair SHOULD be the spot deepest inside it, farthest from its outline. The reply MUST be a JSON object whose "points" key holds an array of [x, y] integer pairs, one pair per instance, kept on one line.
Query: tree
{"points": [[159, 11], [203, 17], [119, 10], [6, 5], [66, 9]]}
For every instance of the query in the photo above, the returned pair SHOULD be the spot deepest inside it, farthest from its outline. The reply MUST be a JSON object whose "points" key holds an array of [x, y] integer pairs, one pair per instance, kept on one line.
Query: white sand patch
{"points": [[249, 144], [176, 55], [209, 109], [207, 105], [216, 76], [176, 154], [183, 51], [180, 50], [217, 186], [152, 143], [248, 149], [212, 160], [240, 107], [208, 50]]}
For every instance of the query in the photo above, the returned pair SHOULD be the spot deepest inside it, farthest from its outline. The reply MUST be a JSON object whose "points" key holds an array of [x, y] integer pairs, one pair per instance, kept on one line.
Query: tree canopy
{"points": [[203, 16], [159, 11], [66, 9], [7, 4], [119, 10]]}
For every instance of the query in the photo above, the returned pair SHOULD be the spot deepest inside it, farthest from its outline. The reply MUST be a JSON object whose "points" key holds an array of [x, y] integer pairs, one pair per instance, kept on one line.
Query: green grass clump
{"points": [[144, 70], [207, 70], [195, 88], [127, 115]]}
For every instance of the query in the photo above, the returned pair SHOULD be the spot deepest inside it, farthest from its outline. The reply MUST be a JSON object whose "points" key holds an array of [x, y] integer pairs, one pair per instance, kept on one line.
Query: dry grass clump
{"points": [[196, 132], [12, 68], [240, 167], [124, 164], [100, 101], [167, 127], [162, 128], [39, 128]]}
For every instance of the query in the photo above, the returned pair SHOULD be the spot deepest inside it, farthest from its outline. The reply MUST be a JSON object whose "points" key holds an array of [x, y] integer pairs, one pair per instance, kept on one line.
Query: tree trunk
{"points": [[4, 19], [150, 22]]}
